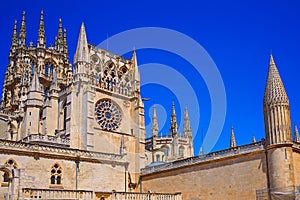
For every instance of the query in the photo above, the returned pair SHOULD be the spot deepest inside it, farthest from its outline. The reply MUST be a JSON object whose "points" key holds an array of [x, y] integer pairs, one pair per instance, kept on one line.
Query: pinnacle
{"points": [[82, 46], [174, 125], [135, 65], [35, 83], [296, 134], [232, 138], [154, 122]]}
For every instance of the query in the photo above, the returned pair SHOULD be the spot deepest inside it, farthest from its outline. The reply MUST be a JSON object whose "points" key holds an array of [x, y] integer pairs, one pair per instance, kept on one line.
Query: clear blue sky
{"points": [[238, 35]]}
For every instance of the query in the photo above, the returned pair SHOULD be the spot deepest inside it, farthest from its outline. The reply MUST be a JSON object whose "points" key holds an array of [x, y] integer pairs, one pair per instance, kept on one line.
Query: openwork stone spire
{"points": [[174, 125], [59, 43], [154, 123], [232, 138], [65, 44], [41, 32], [22, 36], [82, 54], [276, 108], [14, 38]]}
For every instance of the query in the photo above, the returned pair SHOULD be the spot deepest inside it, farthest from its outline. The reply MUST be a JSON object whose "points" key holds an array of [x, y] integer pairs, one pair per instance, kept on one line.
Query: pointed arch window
{"points": [[5, 177], [46, 69], [32, 68], [56, 175]]}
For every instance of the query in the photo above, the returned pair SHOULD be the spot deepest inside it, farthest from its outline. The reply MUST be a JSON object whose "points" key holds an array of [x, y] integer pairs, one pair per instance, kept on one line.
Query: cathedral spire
{"points": [[59, 40], [135, 65], [154, 123], [276, 103], [22, 35], [174, 126], [296, 134], [41, 32], [14, 38], [232, 138], [65, 44], [82, 54], [187, 131]]}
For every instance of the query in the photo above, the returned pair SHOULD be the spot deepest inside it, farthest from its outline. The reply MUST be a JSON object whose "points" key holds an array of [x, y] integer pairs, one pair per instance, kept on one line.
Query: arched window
{"points": [[157, 158], [5, 177], [10, 163], [52, 179], [56, 175]]}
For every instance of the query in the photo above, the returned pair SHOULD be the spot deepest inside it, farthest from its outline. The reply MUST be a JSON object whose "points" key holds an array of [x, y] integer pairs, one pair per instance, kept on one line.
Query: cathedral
{"points": [[77, 131]]}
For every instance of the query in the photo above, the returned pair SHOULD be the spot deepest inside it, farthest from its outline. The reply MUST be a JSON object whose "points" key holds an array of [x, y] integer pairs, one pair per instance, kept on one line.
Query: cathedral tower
{"points": [[278, 131]]}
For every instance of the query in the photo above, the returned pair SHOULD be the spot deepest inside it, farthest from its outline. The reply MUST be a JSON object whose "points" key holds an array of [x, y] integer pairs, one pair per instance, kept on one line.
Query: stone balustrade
{"points": [[43, 194], [205, 157], [53, 194], [145, 196], [47, 139]]}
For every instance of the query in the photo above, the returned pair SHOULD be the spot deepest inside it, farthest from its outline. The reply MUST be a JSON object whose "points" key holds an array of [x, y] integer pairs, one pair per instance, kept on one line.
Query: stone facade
{"points": [[78, 132]]}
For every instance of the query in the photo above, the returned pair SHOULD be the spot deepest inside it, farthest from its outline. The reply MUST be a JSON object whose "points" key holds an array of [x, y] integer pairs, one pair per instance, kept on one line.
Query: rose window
{"points": [[108, 115]]}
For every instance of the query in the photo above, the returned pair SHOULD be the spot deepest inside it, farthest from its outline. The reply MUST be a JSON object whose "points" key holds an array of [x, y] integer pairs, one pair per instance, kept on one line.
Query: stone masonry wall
{"points": [[233, 178]]}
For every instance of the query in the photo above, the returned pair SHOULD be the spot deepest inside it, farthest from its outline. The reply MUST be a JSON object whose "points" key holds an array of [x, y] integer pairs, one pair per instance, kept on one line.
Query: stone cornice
{"points": [[36, 151]]}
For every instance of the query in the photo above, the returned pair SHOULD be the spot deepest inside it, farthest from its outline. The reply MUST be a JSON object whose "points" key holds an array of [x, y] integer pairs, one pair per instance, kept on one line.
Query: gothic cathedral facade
{"points": [[77, 131]]}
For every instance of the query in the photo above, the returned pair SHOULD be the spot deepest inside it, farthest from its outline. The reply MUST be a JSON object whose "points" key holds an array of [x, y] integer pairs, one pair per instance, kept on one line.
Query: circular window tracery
{"points": [[107, 114]]}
